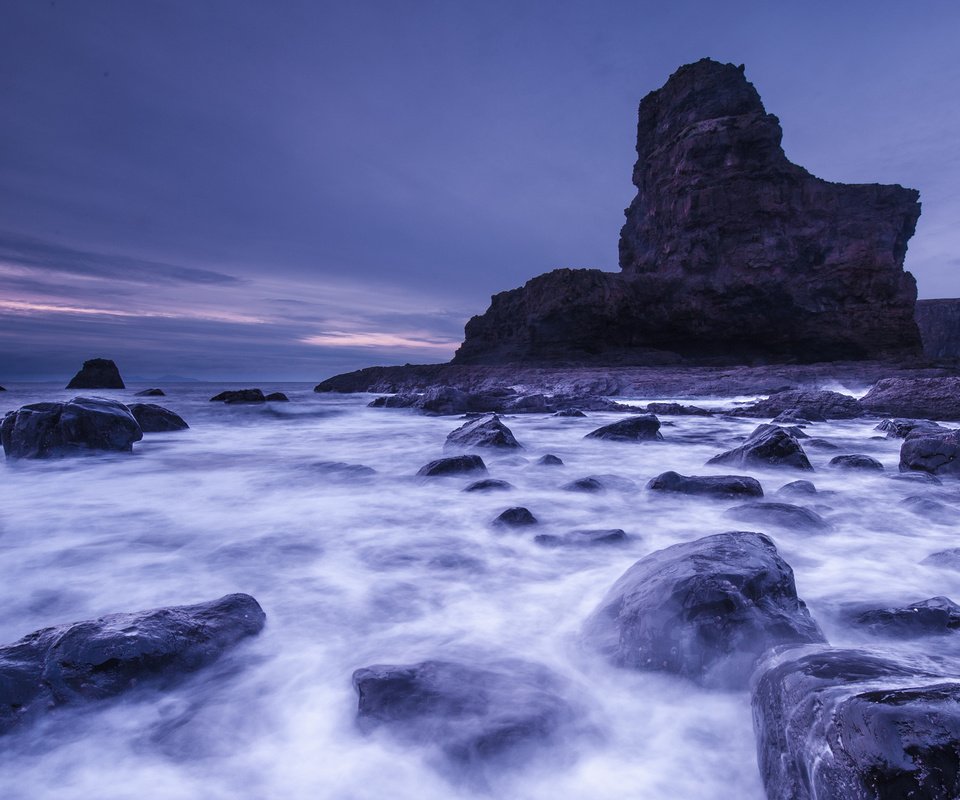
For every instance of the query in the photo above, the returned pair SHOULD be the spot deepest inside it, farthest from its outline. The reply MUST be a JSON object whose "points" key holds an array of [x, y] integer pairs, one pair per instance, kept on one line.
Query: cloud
{"points": [[414, 341]]}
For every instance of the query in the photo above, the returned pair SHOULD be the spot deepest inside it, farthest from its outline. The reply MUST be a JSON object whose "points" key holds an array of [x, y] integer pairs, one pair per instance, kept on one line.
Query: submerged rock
{"points": [[515, 517], [104, 657], [797, 489], [938, 615], [239, 396], [483, 432], [723, 486], [704, 609], [584, 485], [77, 427], [767, 446], [157, 419], [856, 725], [151, 393], [856, 461], [821, 444], [936, 453], [97, 373], [277, 397], [921, 398], [785, 515], [341, 470], [644, 428], [488, 485], [550, 460], [455, 465], [582, 538]]}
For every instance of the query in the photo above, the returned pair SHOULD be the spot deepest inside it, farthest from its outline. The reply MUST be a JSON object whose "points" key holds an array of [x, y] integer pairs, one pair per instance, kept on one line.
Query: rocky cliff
{"points": [[939, 323], [730, 253]]}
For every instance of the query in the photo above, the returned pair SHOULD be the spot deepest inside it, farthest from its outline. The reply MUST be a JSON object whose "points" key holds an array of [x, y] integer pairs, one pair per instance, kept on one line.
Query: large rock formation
{"points": [[939, 324], [97, 373], [730, 253]]}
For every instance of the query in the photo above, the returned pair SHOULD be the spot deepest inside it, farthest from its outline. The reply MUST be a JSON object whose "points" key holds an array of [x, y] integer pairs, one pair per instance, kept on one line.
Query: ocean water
{"points": [[388, 568]]}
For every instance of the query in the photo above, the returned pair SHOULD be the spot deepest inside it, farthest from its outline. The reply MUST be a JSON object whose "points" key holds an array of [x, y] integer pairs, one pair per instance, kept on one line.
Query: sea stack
{"points": [[97, 373], [729, 254]]}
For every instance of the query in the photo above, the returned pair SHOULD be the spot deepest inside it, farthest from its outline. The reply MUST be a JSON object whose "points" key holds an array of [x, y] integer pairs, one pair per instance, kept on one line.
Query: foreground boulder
{"points": [[722, 486], [103, 657], [97, 373], [157, 419], [645, 428], [922, 398], [456, 465], [935, 453], [837, 724], [471, 714], [812, 406], [79, 426], [483, 432], [240, 396], [767, 446], [704, 609]]}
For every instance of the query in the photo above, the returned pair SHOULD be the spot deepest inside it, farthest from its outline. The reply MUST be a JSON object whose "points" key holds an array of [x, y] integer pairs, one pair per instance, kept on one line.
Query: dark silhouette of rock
{"points": [[97, 373], [936, 616], [767, 446], [704, 609], [342, 471], [79, 426], [550, 460], [277, 397], [722, 486], [723, 229], [856, 461], [939, 324], [797, 489], [2, 389], [902, 428], [488, 485], [239, 396], [920, 398], [936, 453], [677, 410], [810, 406], [584, 485], [151, 393], [515, 517], [156, 419], [483, 432], [856, 725], [582, 538], [784, 515], [569, 412], [473, 714], [645, 428], [455, 465], [104, 657]]}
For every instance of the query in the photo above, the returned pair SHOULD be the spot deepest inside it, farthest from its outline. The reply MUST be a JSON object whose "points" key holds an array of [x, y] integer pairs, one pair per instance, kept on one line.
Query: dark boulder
{"points": [[488, 485], [550, 460], [156, 419], [812, 406], [2, 389], [79, 426], [677, 410], [920, 398], [151, 393], [704, 609], [936, 453], [455, 465], [938, 615], [582, 538], [516, 517], [821, 444], [483, 432], [856, 461], [767, 446], [472, 714], [584, 485], [645, 428], [797, 489], [277, 397], [901, 428], [722, 486], [103, 657], [783, 515], [239, 396], [97, 373], [856, 725]]}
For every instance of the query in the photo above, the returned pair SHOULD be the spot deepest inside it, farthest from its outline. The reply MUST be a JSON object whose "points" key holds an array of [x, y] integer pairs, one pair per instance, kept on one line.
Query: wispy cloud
{"points": [[408, 341]]}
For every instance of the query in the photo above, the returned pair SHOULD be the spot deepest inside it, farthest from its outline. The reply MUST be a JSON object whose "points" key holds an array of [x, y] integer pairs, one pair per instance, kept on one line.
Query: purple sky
{"points": [[244, 190]]}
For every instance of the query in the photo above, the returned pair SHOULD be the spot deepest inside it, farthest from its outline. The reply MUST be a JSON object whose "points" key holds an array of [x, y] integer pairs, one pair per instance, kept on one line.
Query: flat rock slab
{"points": [[107, 656], [719, 486], [705, 609], [856, 725], [645, 428]]}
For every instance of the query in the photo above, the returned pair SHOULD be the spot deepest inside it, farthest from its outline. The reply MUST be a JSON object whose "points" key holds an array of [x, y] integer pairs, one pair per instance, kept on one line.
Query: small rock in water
{"points": [[936, 453], [239, 396], [797, 489], [677, 410], [488, 485], [583, 485], [151, 393], [550, 461], [342, 470], [484, 432], [768, 445], [916, 477], [157, 419], [821, 444], [582, 538], [454, 465], [569, 412], [784, 515], [277, 397], [938, 615], [515, 517], [97, 373], [644, 428], [856, 461], [707, 485]]}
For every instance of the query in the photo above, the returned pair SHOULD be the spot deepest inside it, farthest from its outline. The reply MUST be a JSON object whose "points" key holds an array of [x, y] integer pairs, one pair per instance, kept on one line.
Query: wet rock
{"points": [[704, 609], [97, 373], [550, 461], [820, 444], [767, 446], [901, 428], [644, 428], [722, 486], [344, 471], [515, 517], [77, 427], [812, 406], [582, 538], [151, 393], [797, 489], [569, 412], [949, 559], [455, 465], [856, 725], [584, 485], [483, 432], [472, 714], [856, 461], [784, 515], [936, 616], [239, 396], [277, 397], [919, 398], [677, 410], [936, 453], [489, 485], [931, 510], [915, 477], [157, 419], [104, 657]]}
